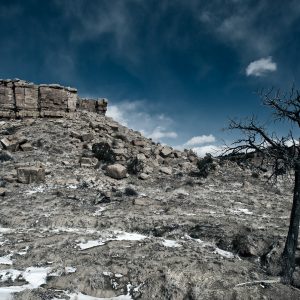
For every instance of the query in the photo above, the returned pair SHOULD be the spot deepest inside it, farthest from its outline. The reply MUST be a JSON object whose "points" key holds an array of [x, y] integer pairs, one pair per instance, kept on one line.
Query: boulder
{"points": [[166, 170], [165, 152], [144, 176], [27, 147], [116, 171], [12, 143], [88, 162], [75, 134], [86, 137], [29, 175], [120, 151], [139, 143], [141, 156]]}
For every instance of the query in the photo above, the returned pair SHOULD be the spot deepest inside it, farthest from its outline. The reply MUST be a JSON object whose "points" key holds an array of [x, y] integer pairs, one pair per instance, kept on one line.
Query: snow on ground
{"points": [[245, 211], [90, 244], [118, 236], [33, 275], [80, 296], [171, 243], [224, 253], [6, 260]]}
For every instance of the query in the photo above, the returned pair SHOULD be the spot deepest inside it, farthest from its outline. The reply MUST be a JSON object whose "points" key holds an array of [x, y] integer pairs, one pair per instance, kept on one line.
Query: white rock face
{"points": [[116, 171]]}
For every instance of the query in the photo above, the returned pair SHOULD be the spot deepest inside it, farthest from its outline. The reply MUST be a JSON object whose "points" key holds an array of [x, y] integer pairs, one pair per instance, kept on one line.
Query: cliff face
{"points": [[19, 98]]}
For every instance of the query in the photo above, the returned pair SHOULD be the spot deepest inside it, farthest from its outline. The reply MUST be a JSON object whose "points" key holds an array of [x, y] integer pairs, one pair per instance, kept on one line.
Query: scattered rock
{"points": [[29, 175], [26, 147], [88, 162], [139, 143], [143, 201], [13, 142], [2, 192], [116, 171], [86, 137], [144, 176]]}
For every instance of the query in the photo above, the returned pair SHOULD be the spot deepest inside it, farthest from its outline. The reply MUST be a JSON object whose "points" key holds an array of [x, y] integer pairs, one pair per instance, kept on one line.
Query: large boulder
{"points": [[116, 171], [166, 170], [31, 174], [166, 151]]}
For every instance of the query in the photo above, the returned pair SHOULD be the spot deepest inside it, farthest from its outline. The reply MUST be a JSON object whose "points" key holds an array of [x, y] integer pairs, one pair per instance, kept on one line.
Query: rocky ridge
{"points": [[20, 98], [96, 211]]}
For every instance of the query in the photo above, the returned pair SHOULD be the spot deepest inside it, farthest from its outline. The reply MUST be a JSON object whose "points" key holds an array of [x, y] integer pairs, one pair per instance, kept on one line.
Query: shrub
{"points": [[4, 156], [205, 165], [103, 152], [135, 166], [130, 192]]}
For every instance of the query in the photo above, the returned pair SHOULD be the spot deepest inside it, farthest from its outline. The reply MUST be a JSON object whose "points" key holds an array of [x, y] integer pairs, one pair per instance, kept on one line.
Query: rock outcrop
{"points": [[19, 99]]}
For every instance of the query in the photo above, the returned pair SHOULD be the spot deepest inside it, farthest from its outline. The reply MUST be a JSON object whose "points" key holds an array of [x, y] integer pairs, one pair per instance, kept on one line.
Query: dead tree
{"points": [[281, 154]]}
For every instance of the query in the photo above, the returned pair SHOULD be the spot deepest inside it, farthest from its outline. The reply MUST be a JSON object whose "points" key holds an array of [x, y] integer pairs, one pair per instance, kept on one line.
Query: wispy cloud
{"points": [[109, 21], [261, 67], [247, 26], [133, 115]]}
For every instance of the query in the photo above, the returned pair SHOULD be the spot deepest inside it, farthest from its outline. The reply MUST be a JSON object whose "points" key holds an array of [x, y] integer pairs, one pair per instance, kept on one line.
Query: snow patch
{"points": [[33, 275], [126, 236], [245, 211], [99, 211], [90, 244], [224, 253], [171, 243], [80, 296], [6, 260], [23, 251], [118, 236], [69, 270], [217, 250]]}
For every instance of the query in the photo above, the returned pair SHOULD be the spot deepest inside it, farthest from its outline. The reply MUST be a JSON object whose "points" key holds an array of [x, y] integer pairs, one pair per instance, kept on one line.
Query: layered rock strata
{"points": [[19, 98]]}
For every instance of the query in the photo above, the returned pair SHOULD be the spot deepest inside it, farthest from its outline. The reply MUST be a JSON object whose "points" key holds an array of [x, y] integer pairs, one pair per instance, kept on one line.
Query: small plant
{"points": [[5, 157], [135, 166], [205, 165], [103, 152], [130, 192]]}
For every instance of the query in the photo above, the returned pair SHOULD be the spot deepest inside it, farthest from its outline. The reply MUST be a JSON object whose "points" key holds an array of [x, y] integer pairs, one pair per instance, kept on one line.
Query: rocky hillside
{"points": [[93, 210]]}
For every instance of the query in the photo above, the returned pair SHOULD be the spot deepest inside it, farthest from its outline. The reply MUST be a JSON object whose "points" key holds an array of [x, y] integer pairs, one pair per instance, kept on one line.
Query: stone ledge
{"points": [[20, 99]]}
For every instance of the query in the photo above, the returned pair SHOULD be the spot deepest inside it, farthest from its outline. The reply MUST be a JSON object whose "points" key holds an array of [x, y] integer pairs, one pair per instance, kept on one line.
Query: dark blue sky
{"points": [[172, 69]]}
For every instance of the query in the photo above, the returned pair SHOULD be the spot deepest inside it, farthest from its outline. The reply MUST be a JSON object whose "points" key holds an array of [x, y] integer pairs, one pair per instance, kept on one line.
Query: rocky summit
{"points": [[93, 210]]}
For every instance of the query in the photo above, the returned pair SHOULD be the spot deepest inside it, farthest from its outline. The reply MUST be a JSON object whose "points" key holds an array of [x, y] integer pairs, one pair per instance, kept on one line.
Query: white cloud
{"points": [[195, 144], [117, 114], [212, 149], [201, 139], [261, 66], [160, 132], [132, 114]]}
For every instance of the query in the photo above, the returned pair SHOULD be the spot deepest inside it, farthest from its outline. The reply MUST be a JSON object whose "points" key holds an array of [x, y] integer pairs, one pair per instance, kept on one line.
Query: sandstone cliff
{"points": [[19, 98]]}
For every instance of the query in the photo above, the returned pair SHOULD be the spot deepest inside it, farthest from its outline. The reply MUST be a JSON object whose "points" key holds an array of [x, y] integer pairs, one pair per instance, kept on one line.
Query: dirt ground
{"points": [[83, 235]]}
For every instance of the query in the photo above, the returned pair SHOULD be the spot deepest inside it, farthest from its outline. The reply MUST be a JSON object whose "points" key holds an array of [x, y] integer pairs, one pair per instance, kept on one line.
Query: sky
{"points": [[175, 70]]}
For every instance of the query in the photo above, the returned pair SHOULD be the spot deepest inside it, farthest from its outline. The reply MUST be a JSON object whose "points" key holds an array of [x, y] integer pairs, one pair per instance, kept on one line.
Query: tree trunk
{"points": [[288, 255]]}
